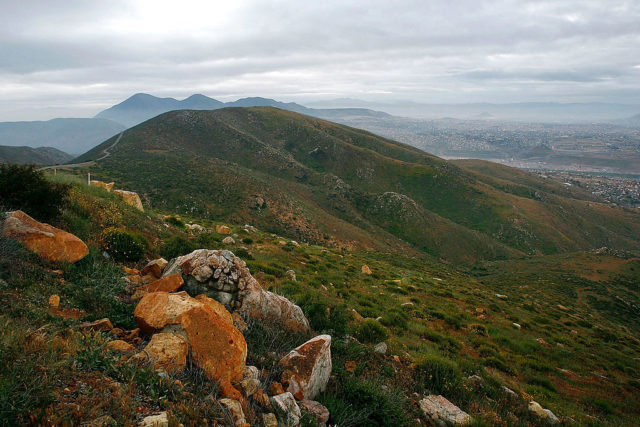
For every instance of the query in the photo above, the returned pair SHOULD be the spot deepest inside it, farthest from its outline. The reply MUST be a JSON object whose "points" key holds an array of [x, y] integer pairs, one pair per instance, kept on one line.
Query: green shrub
{"points": [[123, 245], [325, 316], [370, 331], [174, 220], [439, 375], [247, 240], [395, 318], [176, 246], [479, 329], [243, 253], [24, 188]]}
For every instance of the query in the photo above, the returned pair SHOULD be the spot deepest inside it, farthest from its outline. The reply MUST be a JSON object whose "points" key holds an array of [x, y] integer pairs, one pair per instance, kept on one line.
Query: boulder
{"points": [[158, 309], [217, 347], [223, 229], [307, 368], [159, 420], [366, 270], [106, 185], [130, 198], [47, 241], [154, 267], [235, 411], [166, 352], [286, 408], [228, 240], [542, 413], [439, 408], [165, 284], [224, 277], [316, 409]]}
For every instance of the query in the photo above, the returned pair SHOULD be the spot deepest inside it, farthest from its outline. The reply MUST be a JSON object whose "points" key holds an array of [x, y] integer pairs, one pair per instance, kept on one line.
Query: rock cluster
{"points": [[43, 239], [224, 277]]}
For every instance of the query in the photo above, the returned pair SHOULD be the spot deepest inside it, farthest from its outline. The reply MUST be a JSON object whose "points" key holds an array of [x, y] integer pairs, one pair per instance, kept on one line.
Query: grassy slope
{"points": [[330, 181], [591, 372]]}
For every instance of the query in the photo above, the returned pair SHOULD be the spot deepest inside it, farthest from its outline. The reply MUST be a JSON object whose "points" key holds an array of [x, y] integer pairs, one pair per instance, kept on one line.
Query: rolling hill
{"points": [[322, 182], [33, 156]]}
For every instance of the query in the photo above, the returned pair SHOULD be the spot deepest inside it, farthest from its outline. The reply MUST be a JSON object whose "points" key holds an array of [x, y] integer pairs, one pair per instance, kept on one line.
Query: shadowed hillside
{"points": [[319, 181]]}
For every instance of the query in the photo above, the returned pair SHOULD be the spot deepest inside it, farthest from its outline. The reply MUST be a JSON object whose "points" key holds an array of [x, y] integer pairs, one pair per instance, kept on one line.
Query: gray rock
{"points": [[287, 410], [381, 348]]}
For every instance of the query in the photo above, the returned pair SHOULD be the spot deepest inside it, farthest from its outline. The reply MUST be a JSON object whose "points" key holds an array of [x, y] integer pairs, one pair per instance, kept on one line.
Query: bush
{"points": [[395, 318], [123, 245], [439, 375], [176, 246], [370, 331], [325, 316], [174, 220], [24, 188], [247, 240]]}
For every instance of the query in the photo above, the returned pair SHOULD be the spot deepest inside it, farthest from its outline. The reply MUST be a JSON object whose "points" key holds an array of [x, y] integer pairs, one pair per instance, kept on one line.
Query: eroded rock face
{"points": [[307, 368], [131, 198], [439, 408], [224, 277], [47, 241]]}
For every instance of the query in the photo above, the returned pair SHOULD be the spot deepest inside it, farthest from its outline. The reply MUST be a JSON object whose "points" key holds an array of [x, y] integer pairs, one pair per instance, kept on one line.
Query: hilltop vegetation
{"points": [[559, 329], [331, 184]]}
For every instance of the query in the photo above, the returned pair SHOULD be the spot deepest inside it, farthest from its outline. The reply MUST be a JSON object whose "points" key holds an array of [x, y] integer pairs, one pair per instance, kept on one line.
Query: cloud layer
{"points": [[76, 57]]}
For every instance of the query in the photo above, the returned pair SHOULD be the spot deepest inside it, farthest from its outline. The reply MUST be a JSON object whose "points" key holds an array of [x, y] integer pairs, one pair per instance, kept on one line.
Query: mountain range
{"points": [[36, 156], [323, 182]]}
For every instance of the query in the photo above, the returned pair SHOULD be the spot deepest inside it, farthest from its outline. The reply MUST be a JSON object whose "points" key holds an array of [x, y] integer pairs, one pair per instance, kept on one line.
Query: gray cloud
{"points": [[76, 57]]}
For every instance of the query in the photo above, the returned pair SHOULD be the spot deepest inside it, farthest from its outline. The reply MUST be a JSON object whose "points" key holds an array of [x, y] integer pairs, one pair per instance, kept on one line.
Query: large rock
{"points": [[130, 198], [47, 241], [439, 408], [224, 277], [165, 284], [158, 309], [217, 347], [306, 369], [286, 409], [167, 352]]}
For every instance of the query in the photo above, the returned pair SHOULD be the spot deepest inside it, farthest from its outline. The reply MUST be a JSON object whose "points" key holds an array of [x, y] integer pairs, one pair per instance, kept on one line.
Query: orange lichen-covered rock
{"points": [[167, 351], [120, 346], [166, 284], [366, 270], [158, 309], [217, 307], [217, 347], [130, 198], [47, 241], [223, 229], [307, 368]]}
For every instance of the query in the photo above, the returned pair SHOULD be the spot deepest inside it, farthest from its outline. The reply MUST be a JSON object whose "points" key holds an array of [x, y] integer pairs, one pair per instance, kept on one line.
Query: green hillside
{"points": [[326, 183]]}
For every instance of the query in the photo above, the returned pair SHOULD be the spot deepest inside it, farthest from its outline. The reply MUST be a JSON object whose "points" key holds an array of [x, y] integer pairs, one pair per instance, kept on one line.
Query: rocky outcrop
{"points": [[43, 239], [215, 344], [439, 408], [307, 368], [131, 198], [224, 277]]}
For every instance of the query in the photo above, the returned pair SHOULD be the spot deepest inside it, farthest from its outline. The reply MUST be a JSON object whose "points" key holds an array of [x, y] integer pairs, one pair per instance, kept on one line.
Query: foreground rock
{"points": [[307, 368], [542, 413], [166, 352], [216, 345], [131, 198], [47, 241], [439, 408], [224, 277]]}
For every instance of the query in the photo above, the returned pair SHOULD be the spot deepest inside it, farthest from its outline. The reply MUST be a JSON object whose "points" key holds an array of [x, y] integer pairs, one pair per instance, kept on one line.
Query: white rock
{"points": [[160, 420], [540, 412], [307, 368], [439, 408], [286, 408]]}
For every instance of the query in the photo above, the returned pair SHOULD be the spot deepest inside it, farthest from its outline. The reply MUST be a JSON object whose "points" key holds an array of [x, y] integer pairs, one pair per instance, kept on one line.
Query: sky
{"points": [[73, 58]]}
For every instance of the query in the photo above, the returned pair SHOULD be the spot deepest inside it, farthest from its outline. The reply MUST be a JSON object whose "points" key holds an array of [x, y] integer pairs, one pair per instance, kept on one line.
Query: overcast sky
{"points": [[74, 58]]}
